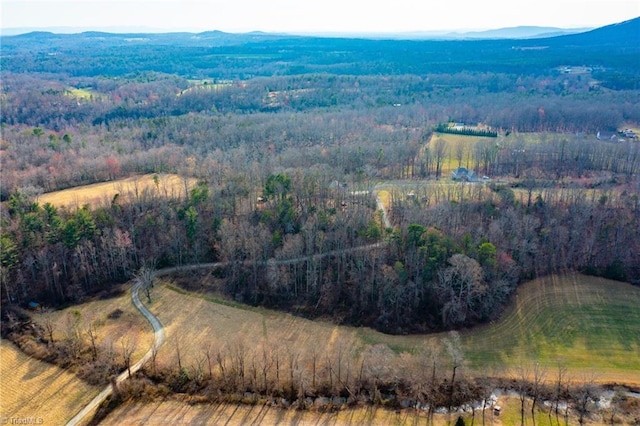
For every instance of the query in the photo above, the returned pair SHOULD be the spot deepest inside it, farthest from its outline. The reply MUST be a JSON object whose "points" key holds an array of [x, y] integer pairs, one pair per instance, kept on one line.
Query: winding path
{"points": [[158, 340], [159, 329]]}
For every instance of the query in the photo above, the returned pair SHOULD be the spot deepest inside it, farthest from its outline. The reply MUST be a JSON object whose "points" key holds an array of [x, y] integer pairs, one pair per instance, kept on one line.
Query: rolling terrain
{"points": [[589, 325]]}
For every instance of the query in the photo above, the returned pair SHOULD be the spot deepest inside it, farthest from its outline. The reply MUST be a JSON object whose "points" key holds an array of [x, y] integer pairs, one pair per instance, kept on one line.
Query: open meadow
{"points": [[113, 319], [589, 325], [180, 412], [34, 389], [102, 194], [458, 151], [183, 412]]}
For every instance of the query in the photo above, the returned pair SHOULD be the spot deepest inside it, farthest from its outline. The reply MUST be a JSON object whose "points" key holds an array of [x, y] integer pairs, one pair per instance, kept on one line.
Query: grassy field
{"points": [[128, 323], [589, 325], [182, 412], [195, 322], [102, 193], [455, 144], [239, 415], [32, 388], [76, 93]]}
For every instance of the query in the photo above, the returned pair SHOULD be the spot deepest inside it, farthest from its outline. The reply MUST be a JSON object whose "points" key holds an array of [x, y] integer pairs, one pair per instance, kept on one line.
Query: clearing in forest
{"points": [[34, 389], [113, 319], [458, 150], [97, 194], [589, 325]]}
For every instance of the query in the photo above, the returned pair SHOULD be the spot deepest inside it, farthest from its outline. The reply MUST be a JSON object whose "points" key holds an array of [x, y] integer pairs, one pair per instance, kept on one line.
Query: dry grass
{"points": [[454, 144], [599, 340], [128, 324], [178, 412], [128, 189], [181, 412], [385, 199], [194, 323], [589, 325], [32, 388]]}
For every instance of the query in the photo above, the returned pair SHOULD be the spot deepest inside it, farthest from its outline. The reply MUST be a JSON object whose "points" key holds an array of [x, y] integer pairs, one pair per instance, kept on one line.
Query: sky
{"points": [[313, 16]]}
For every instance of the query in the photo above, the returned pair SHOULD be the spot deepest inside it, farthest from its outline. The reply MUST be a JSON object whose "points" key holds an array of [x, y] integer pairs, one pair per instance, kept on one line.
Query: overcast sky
{"points": [[314, 15]]}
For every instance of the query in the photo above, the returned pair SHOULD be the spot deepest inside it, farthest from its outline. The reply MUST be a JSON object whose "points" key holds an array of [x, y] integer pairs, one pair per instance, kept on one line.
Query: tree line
{"points": [[434, 378], [316, 248]]}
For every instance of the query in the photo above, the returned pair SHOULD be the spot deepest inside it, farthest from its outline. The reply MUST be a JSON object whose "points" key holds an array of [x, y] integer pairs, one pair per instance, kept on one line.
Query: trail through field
{"points": [[158, 340], [385, 217]]}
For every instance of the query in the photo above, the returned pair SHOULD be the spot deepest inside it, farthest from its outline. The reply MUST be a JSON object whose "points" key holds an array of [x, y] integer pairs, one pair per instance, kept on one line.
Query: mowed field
{"points": [[589, 325], [101, 194], [114, 319], [178, 412], [182, 412], [32, 388], [457, 145]]}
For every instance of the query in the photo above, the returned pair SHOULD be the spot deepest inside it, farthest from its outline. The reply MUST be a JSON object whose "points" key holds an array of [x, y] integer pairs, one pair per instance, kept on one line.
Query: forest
{"points": [[290, 139]]}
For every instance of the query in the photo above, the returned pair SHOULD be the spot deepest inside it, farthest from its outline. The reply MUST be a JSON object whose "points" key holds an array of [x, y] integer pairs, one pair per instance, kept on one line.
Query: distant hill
{"points": [[625, 33], [614, 48], [516, 33]]}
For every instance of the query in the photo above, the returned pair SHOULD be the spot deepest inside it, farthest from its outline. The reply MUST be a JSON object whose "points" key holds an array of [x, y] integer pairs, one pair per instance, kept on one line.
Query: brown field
{"points": [[534, 329], [178, 412], [590, 325], [175, 411], [466, 144], [130, 323], [32, 388], [99, 194], [194, 323]]}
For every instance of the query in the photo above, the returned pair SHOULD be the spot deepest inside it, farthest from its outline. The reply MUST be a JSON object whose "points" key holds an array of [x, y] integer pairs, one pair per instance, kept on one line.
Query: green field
{"points": [[589, 325], [465, 145]]}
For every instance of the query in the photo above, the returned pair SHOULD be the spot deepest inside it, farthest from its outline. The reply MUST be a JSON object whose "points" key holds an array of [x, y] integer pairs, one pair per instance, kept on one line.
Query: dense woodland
{"points": [[289, 139]]}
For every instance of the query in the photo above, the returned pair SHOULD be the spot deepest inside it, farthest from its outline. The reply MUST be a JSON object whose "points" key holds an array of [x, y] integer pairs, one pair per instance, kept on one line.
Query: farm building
{"points": [[463, 174]]}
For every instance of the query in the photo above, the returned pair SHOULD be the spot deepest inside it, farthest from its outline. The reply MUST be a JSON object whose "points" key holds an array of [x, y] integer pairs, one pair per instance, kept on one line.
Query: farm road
{"points": [[159, 329], [158, 340]]}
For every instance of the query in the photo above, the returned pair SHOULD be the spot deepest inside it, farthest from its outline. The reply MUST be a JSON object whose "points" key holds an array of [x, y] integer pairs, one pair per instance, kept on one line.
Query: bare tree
{"points": [[456, 354], [559, 390], [522, 387], [208, 353], [145, 277], [49, 327], [584, 396], [73, 338], [176, 343], [440, 150], [92, 333], [537, 387], [128, 346]]}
